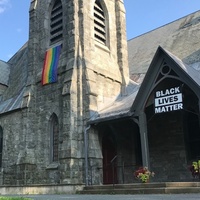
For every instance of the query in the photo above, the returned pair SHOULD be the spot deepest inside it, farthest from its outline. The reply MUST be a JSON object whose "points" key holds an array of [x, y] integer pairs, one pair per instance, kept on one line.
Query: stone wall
{"points": [[167, 148]]}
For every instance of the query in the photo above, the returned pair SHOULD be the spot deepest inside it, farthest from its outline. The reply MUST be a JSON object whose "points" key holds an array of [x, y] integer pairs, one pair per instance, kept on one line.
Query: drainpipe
{"points": [[86, 154]]}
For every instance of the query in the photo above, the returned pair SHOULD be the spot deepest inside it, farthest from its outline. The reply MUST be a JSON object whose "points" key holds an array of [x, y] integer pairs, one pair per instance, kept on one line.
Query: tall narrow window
{"points": [[56, 25], [99, 22], [54, 138], [1, 145]]}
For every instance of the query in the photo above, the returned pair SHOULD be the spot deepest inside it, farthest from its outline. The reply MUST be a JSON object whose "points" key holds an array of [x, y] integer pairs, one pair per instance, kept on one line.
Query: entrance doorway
{"points": [[109, 159], [121, 150], [173, 135]]}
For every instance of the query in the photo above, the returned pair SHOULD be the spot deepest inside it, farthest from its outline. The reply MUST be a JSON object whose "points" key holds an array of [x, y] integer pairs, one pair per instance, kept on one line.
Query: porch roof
{"points": [[118, 108]]}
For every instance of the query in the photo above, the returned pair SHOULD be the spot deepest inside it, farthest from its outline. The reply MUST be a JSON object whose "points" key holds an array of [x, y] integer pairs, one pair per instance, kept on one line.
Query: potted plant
{"points": [[143, 174], [195, 168]]}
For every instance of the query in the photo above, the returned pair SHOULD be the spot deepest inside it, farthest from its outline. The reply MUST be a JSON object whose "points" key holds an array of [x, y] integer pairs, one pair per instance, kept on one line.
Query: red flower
{"points": [[143, 174]]}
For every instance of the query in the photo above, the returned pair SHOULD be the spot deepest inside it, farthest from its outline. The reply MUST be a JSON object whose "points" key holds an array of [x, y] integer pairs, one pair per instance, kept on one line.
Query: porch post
{"points": [[144, 139]]}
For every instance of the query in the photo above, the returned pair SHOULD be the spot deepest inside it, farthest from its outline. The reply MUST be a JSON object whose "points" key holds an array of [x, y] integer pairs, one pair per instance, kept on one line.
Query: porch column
{"points": [[144, 139]]}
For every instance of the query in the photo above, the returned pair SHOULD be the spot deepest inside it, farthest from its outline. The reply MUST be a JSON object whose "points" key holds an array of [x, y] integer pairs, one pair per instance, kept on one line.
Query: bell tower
{"points": [[91, 70]]}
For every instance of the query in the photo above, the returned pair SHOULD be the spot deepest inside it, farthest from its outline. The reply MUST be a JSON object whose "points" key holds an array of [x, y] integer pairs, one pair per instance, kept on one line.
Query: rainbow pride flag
{"points": [[49, 73]]}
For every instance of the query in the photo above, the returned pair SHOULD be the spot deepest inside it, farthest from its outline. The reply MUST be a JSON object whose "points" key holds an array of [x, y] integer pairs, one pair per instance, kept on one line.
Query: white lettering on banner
{"points": [[177, 98], [168, 92], [168, 100], [169, 108]]}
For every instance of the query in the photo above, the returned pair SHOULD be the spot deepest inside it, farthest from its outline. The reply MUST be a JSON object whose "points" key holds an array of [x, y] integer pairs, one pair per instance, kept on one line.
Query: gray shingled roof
{"points": [[12, 103], [14, 75], [18, 73], [193, 73], [5, 71], [119, 107], [180, 37]]}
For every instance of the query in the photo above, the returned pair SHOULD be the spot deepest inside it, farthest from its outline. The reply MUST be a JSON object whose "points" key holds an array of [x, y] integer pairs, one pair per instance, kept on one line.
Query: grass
{"points": [[13, 198]]}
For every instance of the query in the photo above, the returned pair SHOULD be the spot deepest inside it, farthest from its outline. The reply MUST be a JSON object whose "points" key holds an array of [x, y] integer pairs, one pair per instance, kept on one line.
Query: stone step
{"points": [[145, 188]]}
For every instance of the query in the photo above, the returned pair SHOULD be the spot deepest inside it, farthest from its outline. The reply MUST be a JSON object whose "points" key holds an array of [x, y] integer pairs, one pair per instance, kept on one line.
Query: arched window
{"points": [[54, 138], [99, 23], [56, 24], [1, 145]]}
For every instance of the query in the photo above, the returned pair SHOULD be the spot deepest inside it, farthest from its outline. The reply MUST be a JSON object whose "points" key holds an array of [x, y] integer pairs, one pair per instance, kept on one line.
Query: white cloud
{"points": [[4, 4]]}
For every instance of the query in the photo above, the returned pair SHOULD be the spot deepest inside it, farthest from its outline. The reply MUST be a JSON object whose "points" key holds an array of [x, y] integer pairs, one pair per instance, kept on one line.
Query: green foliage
{"points": [[195, 169], [143, 174]]}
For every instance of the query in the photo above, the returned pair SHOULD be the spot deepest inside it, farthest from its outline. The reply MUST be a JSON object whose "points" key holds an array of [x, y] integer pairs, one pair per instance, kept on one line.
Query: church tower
{"points": [[85, 43]]}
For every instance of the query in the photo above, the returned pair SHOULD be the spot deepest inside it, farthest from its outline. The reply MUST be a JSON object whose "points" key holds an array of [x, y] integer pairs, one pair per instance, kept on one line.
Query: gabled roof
{"points": [[187, 73]]}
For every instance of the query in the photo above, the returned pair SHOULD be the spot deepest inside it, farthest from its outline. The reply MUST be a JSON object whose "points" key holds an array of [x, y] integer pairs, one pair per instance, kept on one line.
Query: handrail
{"points": [[114, 158], [113, 169], [121, 173]]}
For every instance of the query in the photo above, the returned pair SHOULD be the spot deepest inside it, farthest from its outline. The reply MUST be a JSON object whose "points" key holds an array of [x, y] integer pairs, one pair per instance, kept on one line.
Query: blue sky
{"points": [[142, 16]]}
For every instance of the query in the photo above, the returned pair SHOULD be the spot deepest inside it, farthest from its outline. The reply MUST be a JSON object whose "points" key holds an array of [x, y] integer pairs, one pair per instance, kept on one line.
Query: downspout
{"points": [[86, 154]]}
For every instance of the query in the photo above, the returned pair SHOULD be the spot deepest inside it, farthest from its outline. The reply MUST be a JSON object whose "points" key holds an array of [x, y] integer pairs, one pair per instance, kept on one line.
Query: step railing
{"points": [[112, 162]]}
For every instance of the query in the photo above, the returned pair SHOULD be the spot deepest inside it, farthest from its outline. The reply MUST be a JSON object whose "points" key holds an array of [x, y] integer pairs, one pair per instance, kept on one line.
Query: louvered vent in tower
{"points": [[99, 23], [56, 25]]}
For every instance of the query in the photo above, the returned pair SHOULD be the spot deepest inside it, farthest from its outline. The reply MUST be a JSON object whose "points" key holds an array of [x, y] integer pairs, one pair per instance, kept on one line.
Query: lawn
{"points": [[13, 198]]}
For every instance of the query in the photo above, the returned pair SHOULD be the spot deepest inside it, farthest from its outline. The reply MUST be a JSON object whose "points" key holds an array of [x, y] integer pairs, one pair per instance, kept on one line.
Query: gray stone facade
{"points": [[89, 75], [106, 126]]}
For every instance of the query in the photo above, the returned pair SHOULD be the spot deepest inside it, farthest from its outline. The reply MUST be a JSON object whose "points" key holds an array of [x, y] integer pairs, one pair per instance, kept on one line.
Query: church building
{"points": [[81, 105]]}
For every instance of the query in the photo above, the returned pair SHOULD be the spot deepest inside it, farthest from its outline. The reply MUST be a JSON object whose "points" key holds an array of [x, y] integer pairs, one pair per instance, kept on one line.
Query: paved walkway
{"points": [[116, 197]]}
